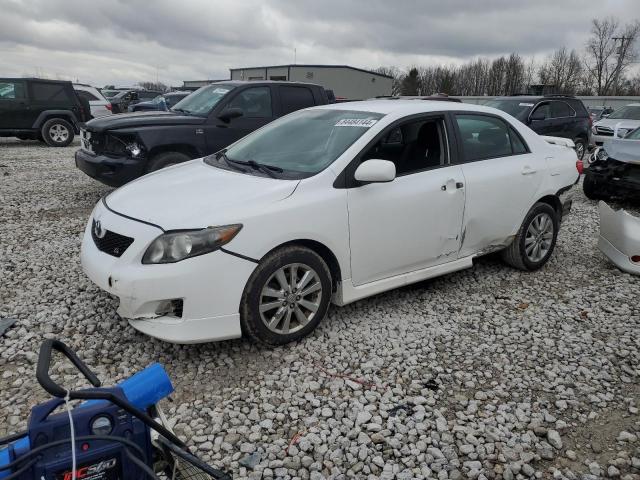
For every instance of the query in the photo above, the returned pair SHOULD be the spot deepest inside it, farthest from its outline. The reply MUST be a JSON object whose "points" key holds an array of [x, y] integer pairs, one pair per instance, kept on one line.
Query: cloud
{"points": [[111, 41]]}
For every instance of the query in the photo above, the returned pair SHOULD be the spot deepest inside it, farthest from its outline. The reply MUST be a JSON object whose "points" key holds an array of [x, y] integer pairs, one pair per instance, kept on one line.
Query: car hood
{"points": [[142, 119], [624, 150], [619, 122], [197, 195]]}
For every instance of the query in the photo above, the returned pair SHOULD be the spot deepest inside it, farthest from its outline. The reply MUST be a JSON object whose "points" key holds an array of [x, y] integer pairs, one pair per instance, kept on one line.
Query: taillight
{"points": [[579, 166], [108, 106], [590, 121], [635, 259]]}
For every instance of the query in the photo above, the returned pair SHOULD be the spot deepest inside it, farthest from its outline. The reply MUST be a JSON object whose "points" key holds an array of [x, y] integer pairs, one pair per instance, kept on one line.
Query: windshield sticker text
{"points": [[356, 122], [526, 104]]}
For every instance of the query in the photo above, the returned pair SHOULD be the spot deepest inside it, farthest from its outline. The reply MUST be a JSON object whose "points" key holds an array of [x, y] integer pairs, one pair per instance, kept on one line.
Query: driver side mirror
{"points": [[230, 113], [538, 115], [375, 171]]}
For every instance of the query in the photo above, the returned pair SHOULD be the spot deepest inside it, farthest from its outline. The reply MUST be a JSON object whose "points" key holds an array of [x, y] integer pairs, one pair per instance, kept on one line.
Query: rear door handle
{"points": [[450, 183], [527, 170]]}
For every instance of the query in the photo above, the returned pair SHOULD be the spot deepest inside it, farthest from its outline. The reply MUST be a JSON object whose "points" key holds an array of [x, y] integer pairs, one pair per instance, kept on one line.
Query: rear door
{"points": [[257, 106], [14, 106], [564, 118], [501, 176]]}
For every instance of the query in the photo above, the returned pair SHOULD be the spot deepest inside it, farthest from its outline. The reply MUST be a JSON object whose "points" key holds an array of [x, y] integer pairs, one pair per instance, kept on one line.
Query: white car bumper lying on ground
{"points": [[620, 238]]}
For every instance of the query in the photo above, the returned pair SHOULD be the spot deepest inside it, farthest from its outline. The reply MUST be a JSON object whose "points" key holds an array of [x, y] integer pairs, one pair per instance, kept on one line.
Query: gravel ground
{"points": [[485, 373]]}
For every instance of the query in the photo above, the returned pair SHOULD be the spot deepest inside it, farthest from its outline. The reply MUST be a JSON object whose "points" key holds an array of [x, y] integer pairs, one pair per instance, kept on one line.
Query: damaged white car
{"points": [[326, 205], [620, 238]]}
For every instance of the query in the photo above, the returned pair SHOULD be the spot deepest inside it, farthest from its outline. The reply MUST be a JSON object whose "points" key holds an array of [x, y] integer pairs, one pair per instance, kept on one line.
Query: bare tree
{"points": [[610, 51], [411, 83], [397, 75], [155, 86], [562, 69]]}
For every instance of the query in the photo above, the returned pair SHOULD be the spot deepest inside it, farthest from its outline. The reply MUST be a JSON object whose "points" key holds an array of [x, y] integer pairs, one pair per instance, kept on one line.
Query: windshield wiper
{"points": [[266, 169], [181, 110], [231, 163]]}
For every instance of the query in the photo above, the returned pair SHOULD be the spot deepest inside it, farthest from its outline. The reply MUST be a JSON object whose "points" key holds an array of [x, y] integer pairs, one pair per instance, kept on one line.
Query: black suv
{"points": [[553, 115], [47, 110], [117, 149]]}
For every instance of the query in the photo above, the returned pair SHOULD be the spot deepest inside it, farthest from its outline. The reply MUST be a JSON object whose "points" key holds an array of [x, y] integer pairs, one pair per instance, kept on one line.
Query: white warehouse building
{"points": [[347, 82]]}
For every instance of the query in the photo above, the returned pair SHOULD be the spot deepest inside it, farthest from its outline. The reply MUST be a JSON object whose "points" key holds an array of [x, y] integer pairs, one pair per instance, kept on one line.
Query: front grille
{"points": [[605, 131], [109, 242]]}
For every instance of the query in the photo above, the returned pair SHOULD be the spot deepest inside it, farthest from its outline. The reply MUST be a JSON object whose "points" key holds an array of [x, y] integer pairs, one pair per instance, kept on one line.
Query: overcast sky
{"points": [[125, 42]]}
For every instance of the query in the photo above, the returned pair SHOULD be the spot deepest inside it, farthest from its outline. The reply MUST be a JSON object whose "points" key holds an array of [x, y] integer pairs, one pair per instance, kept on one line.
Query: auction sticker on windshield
{"points": [[525, 104], [356, 122]]}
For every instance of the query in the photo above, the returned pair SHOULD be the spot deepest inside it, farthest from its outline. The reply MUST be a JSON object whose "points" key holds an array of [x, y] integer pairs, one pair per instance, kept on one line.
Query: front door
{"points": [[257, 110], [414, 221]]}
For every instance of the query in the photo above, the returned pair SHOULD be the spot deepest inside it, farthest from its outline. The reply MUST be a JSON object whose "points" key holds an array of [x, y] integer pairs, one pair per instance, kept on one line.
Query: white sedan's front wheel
{"points": [[286, 297]]}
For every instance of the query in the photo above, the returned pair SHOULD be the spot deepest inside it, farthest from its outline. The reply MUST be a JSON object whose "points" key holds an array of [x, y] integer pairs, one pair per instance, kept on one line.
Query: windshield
{"points": [[202, 101], [110, 93], [634, 135], [303, 143], [630, 112], [516, 108]]}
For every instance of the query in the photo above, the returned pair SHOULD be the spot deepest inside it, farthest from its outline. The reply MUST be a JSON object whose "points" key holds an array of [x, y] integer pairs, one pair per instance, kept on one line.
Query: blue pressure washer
{"points": [[118, 432]]}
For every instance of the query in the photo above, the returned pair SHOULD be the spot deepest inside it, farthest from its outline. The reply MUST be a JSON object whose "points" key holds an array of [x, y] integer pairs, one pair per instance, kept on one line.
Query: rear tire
{"points": [[536, 239], [57, 132], [286, 297], [166, 159], [581, 147]]}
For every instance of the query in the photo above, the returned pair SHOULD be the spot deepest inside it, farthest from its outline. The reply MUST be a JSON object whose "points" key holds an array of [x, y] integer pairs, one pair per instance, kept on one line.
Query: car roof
{"points": [[408, 107]]}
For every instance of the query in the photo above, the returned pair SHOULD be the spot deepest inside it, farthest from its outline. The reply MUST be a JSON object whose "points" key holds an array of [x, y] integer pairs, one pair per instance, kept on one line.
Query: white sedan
{"points": [[326, 205]]}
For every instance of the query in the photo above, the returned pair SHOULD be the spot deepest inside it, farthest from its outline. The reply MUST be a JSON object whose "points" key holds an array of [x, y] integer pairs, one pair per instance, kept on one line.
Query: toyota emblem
{"points": [[98, 230]]}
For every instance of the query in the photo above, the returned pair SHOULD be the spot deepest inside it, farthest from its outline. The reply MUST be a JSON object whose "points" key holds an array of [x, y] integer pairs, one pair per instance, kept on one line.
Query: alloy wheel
{"points": [[539, 237], [59, 133], [290, 298]]}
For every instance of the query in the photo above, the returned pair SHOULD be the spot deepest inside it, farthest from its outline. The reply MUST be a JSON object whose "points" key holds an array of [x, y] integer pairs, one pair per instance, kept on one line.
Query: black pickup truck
{"points": [[120, 148]]}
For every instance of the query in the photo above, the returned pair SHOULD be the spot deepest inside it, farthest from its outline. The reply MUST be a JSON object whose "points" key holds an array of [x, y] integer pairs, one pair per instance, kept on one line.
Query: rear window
{"points": [[86, 95], [485, 137], [49, 92], [295, 98]]}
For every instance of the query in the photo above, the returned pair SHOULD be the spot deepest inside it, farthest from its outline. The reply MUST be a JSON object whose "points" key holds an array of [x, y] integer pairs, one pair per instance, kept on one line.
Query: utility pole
{"points": [[621, 52]]}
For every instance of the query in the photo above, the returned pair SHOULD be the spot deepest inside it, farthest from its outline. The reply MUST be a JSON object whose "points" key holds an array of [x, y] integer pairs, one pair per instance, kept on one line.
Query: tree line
{"points": [[601, 68]]}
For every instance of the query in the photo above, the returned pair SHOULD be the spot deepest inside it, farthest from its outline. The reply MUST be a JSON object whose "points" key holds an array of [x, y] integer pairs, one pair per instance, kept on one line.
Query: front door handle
{"points": [[527, 170], [450, 184]]}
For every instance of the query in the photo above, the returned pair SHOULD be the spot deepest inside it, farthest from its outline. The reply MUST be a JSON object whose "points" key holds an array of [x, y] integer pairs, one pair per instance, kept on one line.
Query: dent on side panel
{"points": [[619, 237]]}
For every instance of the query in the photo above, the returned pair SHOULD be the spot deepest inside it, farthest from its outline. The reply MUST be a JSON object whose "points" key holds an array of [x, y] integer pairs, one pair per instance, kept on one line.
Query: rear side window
{"points": [[49, 92], [88, 96], [485, 137], [561, 110], [295, 98], [11, 90]]}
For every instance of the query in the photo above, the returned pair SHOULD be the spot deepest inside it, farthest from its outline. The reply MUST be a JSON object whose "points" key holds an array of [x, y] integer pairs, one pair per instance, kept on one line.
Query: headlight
{"points": [[134, 149], [172, 247]]}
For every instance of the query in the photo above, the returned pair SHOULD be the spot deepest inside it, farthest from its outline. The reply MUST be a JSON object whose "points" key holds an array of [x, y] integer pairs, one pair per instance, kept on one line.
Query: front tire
{"points": [[166, 159], [57, 132], [286, 297], [536, 239]]}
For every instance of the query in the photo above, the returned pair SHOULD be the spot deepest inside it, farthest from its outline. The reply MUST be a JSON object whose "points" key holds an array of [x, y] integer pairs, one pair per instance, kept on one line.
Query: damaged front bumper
{"points": [[620, 238]]}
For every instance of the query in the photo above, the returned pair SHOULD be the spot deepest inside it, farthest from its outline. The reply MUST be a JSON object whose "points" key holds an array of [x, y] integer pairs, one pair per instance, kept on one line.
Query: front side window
{"points": [[295, 98], [11, 90], [485, 137], [49, 92], [254, 102], [203, 100], [412, 146], [561, 110], [303, 143], [543, 110]]}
